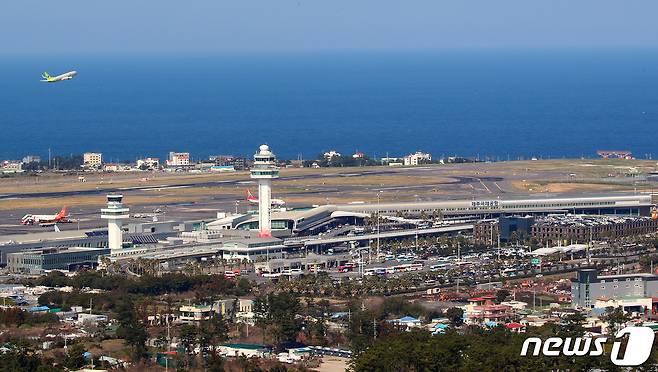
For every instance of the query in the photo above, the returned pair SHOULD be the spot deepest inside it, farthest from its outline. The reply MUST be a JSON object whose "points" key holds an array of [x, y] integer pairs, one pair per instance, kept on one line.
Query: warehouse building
{"points": [[588, 287], [40, 260]]}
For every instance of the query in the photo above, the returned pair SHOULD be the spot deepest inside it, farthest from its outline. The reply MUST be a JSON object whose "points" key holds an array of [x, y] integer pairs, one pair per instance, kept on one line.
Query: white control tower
{"points": [[114, 214], [264, 170]]}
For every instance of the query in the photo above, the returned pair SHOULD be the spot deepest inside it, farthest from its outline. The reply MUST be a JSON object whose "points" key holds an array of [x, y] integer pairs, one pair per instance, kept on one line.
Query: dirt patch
{"points": [[333, 364]]}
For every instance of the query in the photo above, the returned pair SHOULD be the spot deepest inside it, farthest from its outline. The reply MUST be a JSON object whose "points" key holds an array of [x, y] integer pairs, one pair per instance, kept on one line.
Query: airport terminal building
{"points": [[636, 205], [313, 220]]}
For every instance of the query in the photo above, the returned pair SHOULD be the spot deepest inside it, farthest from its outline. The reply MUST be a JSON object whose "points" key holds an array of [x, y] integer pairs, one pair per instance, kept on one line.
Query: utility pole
{"points": [[416, 238], [459, 255]]}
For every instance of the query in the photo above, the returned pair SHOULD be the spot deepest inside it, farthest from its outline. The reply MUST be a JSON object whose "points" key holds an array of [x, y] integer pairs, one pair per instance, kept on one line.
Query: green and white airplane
{"points": [[53, 79]]}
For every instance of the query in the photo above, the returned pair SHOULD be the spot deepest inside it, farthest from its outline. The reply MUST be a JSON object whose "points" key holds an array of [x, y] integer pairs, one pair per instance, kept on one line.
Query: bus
{"points": [[344, 268]]}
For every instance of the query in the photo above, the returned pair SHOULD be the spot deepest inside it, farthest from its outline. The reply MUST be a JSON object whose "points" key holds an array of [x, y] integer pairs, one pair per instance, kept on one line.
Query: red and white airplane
{"points": [[254, 200], [46, 219]]}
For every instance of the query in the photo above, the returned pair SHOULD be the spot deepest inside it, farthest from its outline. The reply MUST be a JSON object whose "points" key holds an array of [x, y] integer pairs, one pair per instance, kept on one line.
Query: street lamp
{"points": [[378, 200]]}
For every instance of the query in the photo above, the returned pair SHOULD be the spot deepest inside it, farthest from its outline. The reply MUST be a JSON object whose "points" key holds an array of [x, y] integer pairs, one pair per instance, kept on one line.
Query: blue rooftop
{"points": [[38, 308], [407, 319]]}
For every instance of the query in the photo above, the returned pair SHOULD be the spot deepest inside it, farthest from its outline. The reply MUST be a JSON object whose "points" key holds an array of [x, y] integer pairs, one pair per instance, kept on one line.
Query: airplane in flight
{"points": [[45, 220], [53, 79], [254, 200]]}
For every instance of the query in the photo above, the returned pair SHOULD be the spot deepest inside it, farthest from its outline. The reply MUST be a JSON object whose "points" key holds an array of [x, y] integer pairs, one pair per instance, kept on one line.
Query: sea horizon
{"points": [[496, 104]]}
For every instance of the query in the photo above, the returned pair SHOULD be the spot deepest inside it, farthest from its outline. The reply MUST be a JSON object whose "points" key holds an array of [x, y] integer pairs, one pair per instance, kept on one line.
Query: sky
{"points": [[216, 26]]}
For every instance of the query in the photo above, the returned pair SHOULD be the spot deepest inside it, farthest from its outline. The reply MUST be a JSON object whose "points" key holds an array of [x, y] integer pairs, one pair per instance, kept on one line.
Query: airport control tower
{"points": [[264, 170], [114, 214]]}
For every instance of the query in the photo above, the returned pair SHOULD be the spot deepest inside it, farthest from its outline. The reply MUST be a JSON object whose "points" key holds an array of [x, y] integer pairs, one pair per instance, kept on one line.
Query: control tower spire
{"points": [[264, 170]]}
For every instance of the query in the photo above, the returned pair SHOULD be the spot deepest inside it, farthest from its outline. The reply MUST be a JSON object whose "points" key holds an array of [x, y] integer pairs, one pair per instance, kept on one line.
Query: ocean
{"points": [[500, 104]]}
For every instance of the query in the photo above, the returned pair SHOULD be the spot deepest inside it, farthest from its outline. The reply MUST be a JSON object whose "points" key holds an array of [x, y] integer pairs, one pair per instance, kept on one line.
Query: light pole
{"points": [[378, 200]]}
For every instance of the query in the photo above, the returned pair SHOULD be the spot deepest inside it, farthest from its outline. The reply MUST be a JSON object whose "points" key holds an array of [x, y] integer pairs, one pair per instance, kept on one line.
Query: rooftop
{"points": [[581, 220]]}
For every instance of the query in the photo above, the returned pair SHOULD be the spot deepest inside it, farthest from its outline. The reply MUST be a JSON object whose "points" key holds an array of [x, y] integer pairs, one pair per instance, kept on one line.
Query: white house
{"points": [[330, 154], [418, 157]]}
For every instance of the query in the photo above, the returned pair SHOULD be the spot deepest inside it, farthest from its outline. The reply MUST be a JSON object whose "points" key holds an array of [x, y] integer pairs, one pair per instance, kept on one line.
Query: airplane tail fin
{"points": [[45, 75], [62, 213], [250, 197]]}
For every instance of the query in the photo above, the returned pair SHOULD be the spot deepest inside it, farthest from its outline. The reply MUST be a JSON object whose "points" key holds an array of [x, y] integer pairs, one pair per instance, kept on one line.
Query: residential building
{"points": [[178, 159], [111, 167], [92, 159], [148, 163], [245, 312], [238, 163], [195, 313], [245, 305], [388, 159], [331, 154], [91, 319], [418, 157], [406, 322], [247, 350], [12, 166], [32, 159], [483, 310]]}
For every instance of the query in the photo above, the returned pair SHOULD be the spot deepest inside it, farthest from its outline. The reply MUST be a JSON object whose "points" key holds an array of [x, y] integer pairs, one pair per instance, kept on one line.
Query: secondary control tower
{"points": [[115, 213]]}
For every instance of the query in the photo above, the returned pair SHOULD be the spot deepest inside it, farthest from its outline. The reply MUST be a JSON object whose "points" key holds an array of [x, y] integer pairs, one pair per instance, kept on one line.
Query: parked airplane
{"points": [[254, 200], [46, 219], [53, 79]]}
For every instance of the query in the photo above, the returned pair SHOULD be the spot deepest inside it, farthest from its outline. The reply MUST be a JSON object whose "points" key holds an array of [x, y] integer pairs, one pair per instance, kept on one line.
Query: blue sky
{"points": [[145, 26]]}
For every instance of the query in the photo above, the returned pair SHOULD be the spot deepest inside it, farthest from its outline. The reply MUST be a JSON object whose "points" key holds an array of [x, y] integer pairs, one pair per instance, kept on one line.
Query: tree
{"points": [[211, 333], [131, 329], [162, 341], [188, 337], [501, 295], [455, 315], [276, 314], [187, 334], [75, 358], [572, 325], [616, 318], [23, 357]]}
